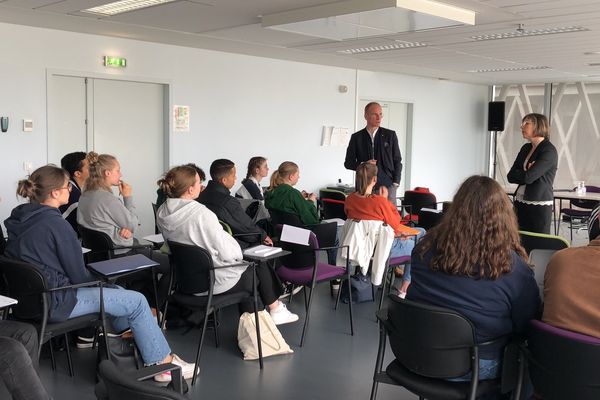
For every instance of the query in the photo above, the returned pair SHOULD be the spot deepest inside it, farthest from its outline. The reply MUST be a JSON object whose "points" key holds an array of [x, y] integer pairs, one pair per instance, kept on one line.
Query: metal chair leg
{"points": [[68, 350]]}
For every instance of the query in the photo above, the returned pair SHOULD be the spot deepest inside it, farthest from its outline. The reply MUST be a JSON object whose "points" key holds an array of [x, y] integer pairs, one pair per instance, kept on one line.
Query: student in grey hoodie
{"points": [[39, 235], [182, 219]]}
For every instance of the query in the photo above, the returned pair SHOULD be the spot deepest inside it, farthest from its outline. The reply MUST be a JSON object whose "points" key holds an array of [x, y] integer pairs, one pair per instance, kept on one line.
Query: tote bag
{"points": [[272, 341]]}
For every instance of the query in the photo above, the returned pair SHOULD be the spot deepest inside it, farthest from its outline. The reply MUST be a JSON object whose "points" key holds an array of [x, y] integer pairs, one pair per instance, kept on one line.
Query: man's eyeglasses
{"points": [[69, 187]]}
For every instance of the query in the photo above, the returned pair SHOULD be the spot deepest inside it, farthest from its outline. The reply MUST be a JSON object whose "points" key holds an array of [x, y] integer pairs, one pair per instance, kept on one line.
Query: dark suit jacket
{"points": [[228, 209], [540, 177], [385, 151]]}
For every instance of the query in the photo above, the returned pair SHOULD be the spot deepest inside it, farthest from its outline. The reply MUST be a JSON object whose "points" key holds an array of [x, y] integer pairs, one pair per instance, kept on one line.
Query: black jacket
{"points": [[540, 177], [385, 151], [39, 235], [228, 209]]}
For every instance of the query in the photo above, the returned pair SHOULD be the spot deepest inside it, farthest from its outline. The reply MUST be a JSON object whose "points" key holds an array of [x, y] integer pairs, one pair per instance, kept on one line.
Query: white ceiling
{"points": [[234, 26]]}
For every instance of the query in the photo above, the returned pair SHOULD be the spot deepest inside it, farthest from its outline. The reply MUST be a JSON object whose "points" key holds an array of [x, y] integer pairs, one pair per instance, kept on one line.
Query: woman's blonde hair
{"points": [[541, 127], [98, 165], [478, 234], [177, 181], [285, 169], [38, 186], [364, 175]]}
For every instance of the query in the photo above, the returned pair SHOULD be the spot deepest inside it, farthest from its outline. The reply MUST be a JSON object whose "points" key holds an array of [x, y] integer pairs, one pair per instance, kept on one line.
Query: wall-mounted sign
{"points": [[181, 118], [116, 62]]}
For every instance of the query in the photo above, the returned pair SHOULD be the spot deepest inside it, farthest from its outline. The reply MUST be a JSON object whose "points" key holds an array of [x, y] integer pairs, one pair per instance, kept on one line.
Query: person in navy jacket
{"points": [[473, 263]]}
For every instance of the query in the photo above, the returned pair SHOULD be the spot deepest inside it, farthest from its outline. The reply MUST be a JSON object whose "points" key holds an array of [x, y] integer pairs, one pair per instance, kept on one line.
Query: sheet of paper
{"points": [[293, 234], [85, 250], [338, 221], [158, 238], [7, 301]]}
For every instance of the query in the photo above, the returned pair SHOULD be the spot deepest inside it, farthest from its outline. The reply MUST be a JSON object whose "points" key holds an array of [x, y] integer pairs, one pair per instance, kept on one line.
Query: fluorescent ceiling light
{"points": [[526, 33], [118, 7], [510, 69], [384, 47], [354, 19]]}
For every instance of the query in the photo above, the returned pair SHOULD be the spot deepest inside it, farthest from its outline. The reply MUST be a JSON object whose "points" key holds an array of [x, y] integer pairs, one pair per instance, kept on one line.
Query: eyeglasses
{"points": [[69, 187]]}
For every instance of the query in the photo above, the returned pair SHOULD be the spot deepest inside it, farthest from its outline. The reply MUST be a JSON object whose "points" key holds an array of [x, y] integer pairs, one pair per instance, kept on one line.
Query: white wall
{"points": [[241, 106]]}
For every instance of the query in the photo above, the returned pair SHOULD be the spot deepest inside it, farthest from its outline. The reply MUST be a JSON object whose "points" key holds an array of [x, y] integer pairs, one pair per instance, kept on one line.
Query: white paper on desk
{"points": [[158, 238], [85, 250], [262, 251], [338, 221], [293, 234]]}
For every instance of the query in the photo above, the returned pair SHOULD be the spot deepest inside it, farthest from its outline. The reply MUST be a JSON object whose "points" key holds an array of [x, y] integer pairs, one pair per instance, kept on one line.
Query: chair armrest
{"points": [[134, 247], [242, 264], [153, 370], [246, 234], [331, 248], [79, 285]]}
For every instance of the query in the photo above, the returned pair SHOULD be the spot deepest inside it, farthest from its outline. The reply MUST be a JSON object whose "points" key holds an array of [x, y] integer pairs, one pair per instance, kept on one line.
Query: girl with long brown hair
{"points": [[473, 263]]}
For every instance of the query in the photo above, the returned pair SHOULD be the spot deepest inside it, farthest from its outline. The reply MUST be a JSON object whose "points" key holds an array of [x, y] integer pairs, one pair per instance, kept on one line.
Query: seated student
{"points": [[39, 235], [473, 263], [366, 205], [19, 361], [282, 196], [571, 296], [100, 209], [257, 170], [161, 197], [77, 165], [217, 198], [183, 220]]}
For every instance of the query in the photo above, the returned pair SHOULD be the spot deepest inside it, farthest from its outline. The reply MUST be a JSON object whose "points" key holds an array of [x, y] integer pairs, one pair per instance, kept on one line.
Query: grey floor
{"points": [[331, 365]]}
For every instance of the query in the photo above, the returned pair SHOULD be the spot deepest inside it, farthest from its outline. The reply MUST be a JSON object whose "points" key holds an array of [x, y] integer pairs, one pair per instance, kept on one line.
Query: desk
{"points": [[561, 195]]}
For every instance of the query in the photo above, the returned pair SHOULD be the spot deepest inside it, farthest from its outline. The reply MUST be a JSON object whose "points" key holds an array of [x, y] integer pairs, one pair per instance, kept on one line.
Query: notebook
{"points": [[261, 251], [122, 264]]}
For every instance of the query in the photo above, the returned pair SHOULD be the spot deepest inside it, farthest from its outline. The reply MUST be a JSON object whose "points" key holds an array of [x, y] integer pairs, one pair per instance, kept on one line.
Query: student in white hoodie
{"points": [[182, 219]]}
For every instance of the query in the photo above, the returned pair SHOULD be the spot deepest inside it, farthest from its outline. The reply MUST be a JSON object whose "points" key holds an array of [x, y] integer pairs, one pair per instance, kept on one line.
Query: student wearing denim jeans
{"points": [[39, 235]]}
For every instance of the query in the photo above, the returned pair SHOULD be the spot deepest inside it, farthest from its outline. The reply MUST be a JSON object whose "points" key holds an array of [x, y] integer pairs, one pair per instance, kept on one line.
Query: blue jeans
{"points": [[128, 309], [488, 369], [401, 248]]}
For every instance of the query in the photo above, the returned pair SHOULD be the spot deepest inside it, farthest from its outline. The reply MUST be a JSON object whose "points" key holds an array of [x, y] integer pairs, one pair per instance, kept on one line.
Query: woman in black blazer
{"points": [[534, 171]]}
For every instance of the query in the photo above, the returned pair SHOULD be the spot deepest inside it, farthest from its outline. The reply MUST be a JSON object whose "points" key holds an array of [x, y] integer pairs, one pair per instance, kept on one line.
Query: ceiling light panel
{"points": [[528, 33], [511, 69], [384, 47], [119, 7], [355, 19]]}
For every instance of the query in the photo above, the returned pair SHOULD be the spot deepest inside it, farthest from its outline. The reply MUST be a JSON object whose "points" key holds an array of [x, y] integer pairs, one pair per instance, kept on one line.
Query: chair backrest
{"points": [[542, 241], [594, 223], [226, 227], [154, 211], [285, 218], [563, 364], [120, 386], [587, 204], [26, 283], [303, 256], [539, 258], [194, 268], [430, 341], [428, 217], [99, 243], [332, 208], [332, 194], [418, 199]]}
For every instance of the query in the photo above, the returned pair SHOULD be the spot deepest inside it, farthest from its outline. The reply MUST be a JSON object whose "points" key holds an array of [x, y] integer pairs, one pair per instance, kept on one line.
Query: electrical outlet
{"points": [[27, 125]]}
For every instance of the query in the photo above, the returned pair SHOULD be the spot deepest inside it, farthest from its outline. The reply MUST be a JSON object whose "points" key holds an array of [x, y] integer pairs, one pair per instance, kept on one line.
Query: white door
{"points": [[395, 117], [125, 119], [66, 116]]}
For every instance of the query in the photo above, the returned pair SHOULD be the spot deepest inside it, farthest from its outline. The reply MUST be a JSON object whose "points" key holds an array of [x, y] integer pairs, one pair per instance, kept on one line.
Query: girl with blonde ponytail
{"points": [[363, 204], [282, 196], [99, 209]]}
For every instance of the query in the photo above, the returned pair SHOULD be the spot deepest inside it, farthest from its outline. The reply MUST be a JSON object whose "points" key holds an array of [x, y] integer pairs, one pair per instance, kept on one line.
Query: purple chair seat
{"points": [[303, 276], [399, 260], [565, 333]]}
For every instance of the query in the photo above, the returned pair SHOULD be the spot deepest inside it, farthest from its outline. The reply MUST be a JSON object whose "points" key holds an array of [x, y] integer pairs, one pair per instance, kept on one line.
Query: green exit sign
{"points": [[118, 62]]}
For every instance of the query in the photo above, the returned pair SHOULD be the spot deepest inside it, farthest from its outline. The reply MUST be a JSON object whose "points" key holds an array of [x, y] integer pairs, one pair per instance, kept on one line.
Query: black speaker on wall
{"points": [[496, 116]]}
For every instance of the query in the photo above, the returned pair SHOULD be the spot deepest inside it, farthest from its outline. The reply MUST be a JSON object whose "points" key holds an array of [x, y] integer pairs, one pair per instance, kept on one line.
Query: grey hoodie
{"points": [[189, 222]]}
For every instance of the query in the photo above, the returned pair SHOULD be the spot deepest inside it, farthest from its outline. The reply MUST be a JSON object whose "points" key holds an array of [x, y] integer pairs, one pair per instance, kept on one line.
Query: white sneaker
{"points": [[187, 370], [281, 315]]}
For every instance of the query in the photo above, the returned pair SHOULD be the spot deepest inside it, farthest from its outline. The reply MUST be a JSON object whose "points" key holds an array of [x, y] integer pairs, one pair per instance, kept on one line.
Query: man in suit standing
{"points": [[378, 146]]}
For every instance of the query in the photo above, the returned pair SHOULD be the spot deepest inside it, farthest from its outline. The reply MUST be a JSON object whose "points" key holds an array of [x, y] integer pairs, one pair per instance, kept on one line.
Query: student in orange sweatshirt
{"points": [[363, 204]]}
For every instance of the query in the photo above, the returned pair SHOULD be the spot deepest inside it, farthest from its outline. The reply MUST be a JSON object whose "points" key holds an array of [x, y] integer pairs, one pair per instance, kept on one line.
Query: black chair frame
{"points": [[34, 304], [194, 272]]}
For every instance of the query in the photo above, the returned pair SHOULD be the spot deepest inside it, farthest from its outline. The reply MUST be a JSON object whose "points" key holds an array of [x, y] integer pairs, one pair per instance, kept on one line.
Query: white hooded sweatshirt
{"points": [[189, 222]]}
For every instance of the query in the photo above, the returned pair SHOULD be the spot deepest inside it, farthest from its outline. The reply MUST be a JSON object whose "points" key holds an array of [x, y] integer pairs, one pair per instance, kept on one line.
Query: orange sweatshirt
{"points": [[375, 208]]}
